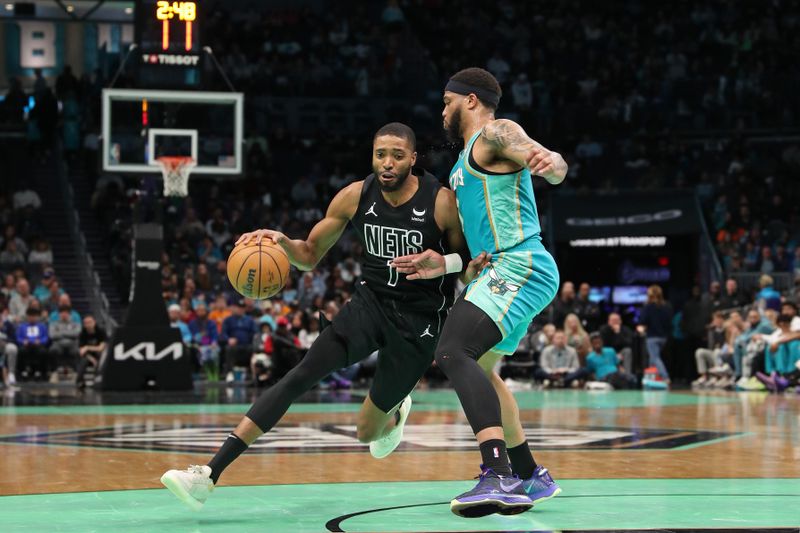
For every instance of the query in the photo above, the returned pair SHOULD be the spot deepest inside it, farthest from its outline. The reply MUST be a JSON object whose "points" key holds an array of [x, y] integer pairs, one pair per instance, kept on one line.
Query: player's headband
{"points": [[465, 89]]}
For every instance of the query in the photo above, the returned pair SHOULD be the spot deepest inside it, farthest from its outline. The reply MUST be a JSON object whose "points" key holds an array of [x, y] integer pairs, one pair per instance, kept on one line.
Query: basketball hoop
{"points": [[175, 170]]}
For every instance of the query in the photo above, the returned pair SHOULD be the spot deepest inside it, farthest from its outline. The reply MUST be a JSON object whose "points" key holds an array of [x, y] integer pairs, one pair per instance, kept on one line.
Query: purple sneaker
{"points": [[769, 381], [492, 494], [540, 486], [342, 383], [781, 383]]}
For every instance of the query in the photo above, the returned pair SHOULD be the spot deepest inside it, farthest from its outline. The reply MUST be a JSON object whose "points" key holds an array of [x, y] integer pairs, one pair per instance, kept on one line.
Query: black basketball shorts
{"points": [[405, 341]]}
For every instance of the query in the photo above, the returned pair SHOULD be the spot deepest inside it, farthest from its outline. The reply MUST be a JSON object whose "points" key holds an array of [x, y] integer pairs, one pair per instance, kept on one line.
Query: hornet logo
{"points": [[500, 286]]}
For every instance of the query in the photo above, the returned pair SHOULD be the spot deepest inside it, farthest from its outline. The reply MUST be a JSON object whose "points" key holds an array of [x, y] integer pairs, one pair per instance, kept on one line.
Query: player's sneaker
{"points": [[540, 486], [751, 384], [385, 445], [768, 381], [192, 486], [492, 494]]}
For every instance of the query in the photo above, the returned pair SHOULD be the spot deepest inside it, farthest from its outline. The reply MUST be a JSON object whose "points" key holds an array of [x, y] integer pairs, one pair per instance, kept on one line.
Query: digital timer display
{"points": [[168, 27], [185, 11]]}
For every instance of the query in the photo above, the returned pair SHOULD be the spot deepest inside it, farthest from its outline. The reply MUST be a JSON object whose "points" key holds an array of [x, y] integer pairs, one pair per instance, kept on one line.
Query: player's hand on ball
{"points": [[547, 164], [427, 265], [475, 266], [256, 236]]}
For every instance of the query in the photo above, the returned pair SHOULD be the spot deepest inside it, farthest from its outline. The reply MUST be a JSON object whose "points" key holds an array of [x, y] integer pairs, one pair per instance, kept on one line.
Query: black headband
{"points": [[458, 87]]}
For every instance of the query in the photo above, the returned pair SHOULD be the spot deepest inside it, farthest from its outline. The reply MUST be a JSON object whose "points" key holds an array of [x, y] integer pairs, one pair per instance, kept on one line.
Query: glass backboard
{"points": [[141, 125]]}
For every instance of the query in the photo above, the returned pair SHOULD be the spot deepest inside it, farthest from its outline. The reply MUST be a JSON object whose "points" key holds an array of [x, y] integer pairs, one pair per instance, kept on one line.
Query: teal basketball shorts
{"points": [[512, 289]]}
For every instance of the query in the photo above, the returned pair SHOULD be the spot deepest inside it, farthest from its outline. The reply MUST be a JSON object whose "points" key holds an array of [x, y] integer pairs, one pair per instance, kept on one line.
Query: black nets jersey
{"points": [[386, 232]]}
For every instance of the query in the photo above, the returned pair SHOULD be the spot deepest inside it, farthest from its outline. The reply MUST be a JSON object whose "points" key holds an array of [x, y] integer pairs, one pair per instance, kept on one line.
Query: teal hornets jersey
{"points": [[498, 211]]}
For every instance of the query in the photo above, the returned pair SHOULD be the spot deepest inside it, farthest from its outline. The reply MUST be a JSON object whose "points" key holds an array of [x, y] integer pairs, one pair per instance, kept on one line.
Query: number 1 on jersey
{"points": [[394, 275]]}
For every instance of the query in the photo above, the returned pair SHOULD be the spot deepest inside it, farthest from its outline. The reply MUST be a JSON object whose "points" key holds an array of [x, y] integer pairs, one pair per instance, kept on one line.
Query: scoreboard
{"points": [[168, 39]]}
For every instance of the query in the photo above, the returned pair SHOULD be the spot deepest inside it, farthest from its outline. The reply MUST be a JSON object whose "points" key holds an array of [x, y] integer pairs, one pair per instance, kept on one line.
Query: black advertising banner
{"points": [[629, 216], [141, 358]]}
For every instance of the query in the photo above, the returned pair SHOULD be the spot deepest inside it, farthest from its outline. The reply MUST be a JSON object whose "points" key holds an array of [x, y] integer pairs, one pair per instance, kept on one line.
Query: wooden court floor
{"points": [[626, 460]]}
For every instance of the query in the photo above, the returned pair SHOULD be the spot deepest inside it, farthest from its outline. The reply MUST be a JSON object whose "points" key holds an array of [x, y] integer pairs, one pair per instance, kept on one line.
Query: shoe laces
{"points": [[484, 472], [195, 469]]}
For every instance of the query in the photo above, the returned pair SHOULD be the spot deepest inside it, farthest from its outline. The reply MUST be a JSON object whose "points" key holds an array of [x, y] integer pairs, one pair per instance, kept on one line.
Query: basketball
{"points": [[258, 270]]}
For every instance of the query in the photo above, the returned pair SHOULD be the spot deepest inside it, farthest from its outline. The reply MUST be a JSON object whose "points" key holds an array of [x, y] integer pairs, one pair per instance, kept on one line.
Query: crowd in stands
{"points": [[351, 49], [41, 336], [629, 103], [729, 338]]}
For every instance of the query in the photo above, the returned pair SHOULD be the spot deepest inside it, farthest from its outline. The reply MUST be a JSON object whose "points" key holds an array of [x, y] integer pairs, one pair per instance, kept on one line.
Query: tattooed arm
{"points": [[507, 140]]}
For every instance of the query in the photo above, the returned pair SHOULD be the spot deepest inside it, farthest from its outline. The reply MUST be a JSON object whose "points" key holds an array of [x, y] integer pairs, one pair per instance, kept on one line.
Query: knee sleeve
{"points": [[469, 333]]}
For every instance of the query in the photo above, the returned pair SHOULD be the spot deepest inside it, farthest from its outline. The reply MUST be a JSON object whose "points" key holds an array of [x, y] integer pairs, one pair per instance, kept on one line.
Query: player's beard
{"points": [[400, 178], [453, 129]]}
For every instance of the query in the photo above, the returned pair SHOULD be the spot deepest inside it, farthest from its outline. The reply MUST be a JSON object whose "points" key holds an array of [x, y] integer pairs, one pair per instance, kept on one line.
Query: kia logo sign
{"points": [[643, 218], [146, 351]]}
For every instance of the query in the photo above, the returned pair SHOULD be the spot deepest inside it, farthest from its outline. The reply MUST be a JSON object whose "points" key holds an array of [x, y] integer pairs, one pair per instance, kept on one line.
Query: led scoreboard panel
{"points": [[168, 35]]}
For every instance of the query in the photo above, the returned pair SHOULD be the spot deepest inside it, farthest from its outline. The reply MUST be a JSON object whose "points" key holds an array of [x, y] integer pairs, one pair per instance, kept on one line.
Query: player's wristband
{"points": [[453, 264]]}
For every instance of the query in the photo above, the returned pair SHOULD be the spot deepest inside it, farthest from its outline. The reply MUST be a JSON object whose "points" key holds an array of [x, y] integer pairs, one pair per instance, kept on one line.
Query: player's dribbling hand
{"points": [[547, 164], [275, 236], [427, 265]]}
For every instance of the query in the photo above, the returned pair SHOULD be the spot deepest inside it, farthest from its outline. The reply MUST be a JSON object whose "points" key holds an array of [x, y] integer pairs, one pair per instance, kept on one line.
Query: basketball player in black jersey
{"points": [[395, 212]]}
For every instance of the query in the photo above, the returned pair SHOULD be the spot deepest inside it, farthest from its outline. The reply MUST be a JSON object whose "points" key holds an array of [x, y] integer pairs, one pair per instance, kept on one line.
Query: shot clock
{"points": [[182, 12], [168, 36]]}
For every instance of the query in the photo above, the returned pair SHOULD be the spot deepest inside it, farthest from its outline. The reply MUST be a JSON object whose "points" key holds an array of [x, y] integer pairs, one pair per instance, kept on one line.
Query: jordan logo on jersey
{"points": [[427, 332], [371, 210], [500, 286], [388, 243], [457, 179]]}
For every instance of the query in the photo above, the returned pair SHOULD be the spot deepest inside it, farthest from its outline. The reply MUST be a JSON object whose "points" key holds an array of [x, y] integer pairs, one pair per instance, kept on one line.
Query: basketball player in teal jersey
{"points": [[494, 194]]}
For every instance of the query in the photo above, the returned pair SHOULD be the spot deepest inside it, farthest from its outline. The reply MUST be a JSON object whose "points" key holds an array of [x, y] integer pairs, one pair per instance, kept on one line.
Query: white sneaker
{"points": [[598, 386], [723, 383], [12, 379], [192, 486], [723, 370], [229, 377], [515, 385], [700, 382], [385, 445]]}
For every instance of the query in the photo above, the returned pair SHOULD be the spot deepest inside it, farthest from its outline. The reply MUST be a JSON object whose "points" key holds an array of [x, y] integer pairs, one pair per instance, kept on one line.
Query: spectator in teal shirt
{"points": [[604, 364]]}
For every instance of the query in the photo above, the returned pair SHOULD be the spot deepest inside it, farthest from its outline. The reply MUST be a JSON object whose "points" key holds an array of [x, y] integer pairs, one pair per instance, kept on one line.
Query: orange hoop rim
{"points": [[175, 161]]}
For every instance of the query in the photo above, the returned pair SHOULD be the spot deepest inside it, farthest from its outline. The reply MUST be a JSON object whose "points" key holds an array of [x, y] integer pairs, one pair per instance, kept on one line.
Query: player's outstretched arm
{"points": [[305, 254], [430, 264], [507, 140]]}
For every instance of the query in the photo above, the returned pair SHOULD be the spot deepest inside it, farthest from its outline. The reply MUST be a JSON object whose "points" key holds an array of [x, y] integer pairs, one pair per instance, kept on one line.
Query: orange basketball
{"points": [[258, 271]]}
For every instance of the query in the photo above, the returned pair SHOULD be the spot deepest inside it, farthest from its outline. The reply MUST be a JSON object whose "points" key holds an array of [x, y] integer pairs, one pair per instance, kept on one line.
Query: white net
{"points": [[175, 171]]}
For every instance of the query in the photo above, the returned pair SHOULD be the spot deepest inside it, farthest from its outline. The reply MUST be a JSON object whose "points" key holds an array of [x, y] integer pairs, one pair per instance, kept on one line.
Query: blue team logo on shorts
{"points": [[498, 285]]}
